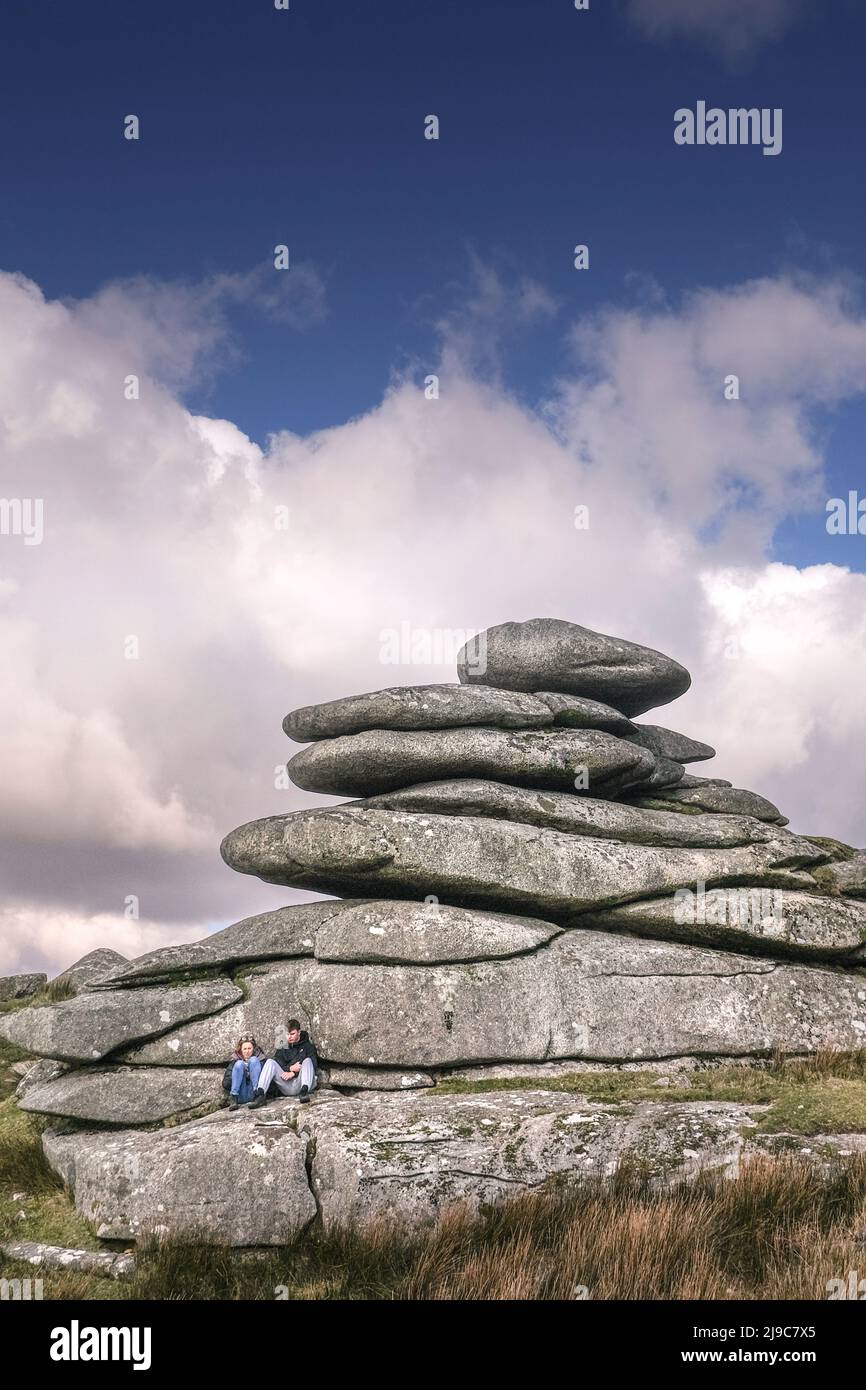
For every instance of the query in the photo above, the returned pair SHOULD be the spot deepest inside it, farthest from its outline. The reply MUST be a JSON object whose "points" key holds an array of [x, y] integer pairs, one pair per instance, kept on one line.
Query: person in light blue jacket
{"points": [[246, 1069]]}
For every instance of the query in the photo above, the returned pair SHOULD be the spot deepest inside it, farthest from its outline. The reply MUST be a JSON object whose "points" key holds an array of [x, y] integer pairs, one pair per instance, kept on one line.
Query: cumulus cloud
{"points": [[647, 398], [180, 330], [256, 581], [736, 28]]}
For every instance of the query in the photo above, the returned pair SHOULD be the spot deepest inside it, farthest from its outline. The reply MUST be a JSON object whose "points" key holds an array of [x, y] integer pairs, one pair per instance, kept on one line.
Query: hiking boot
{"points": [[304, 1095], [257, 1100], [233, 1102]]}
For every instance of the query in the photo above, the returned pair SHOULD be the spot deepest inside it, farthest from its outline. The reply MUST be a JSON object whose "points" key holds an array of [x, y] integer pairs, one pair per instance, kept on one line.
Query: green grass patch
{"points": [[824, 1094], [836, 849], [30, 1186]]}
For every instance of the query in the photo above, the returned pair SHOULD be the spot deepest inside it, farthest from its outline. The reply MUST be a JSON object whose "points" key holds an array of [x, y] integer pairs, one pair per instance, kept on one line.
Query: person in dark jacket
{"points": [[292, 1069]]}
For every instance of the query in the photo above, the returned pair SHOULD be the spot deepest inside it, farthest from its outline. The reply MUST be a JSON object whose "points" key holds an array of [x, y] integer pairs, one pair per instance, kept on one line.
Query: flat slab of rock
{"points": [[285, 932], [90, 969], [493, 864], [771, 921], [575, 815], [62, 1257], [224, 1177], [666, 743], [21, 986], [551, 654], [90, 1026], [205, 1042], [380, 760], [721, 800], [418, 707], [588, 995], [404, 1157], [411, 1158], [125, 1095], [426, 933]]}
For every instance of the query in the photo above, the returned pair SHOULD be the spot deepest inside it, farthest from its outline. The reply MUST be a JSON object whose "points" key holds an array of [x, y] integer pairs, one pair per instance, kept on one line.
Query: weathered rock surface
{"points": [[846, 876], [588, 994], [125, 1095], [722, 800], [399, 1157], [21, 986], [577, 815], [31, 1252], [664, 774], [418, 707], [577, 712], [223, 1176], [285, 932], [90, 1026], [381, 760], [209, 1041], [551, 654], [666, 743], [494, 864], [411, 1158], [379, 1079], [90, 969], [38, 1073], [770, 921], [426, 933], [689, 779]]}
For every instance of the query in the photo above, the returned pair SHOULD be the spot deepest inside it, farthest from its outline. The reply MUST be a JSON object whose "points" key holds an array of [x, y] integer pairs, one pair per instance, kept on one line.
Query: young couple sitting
{"points": [[292, 1069]]}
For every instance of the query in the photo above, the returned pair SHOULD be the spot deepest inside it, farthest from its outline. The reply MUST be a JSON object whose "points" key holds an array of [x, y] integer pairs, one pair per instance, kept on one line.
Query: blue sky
{"points": [[560, 387], [305, 127]]}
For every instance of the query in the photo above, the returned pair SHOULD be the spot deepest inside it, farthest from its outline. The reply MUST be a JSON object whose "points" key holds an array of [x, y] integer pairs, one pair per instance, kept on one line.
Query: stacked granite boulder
{"points": [[526, 880]]}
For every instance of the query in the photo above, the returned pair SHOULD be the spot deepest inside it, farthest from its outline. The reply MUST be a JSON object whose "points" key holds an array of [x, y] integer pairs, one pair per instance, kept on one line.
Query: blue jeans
{"points": [[245, 1078]]}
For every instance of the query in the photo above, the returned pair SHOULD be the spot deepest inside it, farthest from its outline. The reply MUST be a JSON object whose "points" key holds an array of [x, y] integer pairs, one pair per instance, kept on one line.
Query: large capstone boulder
{"points": [[380, 760], [770, 921], [587, 994], [92, 1025], [90, 969], [21, 986], [486, 863], [551, 654], [575, 815], [225, 1178], [125, 1095]]}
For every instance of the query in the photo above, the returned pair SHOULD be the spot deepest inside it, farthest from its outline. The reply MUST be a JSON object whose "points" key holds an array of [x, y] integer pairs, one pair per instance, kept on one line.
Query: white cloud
{"points": [[454, 513], [51, 941], [179, 330], [735, 27]]}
